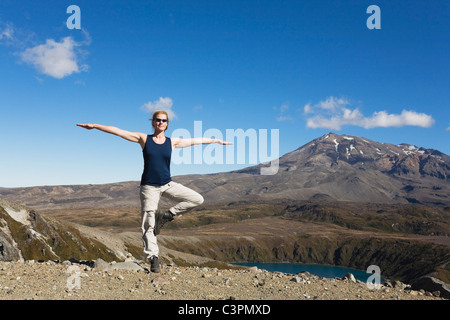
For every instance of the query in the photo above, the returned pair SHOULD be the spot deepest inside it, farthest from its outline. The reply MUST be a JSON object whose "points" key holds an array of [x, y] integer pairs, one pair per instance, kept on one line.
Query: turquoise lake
{"points": [[319, 270]]}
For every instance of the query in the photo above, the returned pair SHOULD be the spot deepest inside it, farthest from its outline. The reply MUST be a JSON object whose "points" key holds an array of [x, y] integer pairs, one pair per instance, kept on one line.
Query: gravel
{"points": [[31, 280]]}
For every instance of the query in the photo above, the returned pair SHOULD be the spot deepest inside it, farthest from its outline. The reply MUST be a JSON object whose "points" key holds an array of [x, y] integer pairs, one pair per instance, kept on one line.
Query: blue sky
{"points": [[304, 68]]}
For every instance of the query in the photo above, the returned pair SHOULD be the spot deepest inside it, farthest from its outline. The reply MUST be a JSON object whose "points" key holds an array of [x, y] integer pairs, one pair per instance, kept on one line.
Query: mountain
{"points": [[330, 168], [350, 168], [122, 194]]}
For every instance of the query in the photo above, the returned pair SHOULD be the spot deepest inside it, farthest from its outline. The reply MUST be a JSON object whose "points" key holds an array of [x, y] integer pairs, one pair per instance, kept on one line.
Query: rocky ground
{"points": [[31, 280]]}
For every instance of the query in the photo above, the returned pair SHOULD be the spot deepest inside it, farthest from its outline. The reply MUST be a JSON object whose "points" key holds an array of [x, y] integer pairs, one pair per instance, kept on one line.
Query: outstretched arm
{"points": [[127, 135], [182, 143]]}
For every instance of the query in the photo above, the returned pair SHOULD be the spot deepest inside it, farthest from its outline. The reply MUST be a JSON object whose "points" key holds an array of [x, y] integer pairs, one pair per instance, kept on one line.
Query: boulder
{"points": [[350, 277], [127, 265], [7, 251], [102, 265], [431, 284]]}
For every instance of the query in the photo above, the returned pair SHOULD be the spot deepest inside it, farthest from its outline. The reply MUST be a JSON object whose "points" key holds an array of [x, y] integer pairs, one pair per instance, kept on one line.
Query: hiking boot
{"points": [[161, 217], [154, 264]]}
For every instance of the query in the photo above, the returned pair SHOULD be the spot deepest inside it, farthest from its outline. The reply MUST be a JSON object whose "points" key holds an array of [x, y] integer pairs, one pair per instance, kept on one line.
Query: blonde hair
{"points": [[160, 112]]}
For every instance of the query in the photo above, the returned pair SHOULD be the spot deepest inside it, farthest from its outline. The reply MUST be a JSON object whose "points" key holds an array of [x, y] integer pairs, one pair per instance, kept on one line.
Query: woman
{"points": [[156, 180]]}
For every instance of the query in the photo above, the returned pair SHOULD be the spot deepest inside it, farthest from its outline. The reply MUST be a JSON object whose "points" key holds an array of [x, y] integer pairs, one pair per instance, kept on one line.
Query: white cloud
{"points": [[161, 104], [282, 109], [406, 118], [332, 103], [333, 113], [307, 109], [55, 59], [8, 35], [284, 118], [7, 32]]}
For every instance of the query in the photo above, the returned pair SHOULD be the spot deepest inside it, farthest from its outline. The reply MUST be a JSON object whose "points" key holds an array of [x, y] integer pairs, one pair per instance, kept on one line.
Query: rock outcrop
{"points": [[26, 235], [433, 285]]}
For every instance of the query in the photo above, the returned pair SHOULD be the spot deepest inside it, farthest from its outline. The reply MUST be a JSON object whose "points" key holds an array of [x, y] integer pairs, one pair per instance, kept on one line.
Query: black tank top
{"points": [[156, 162]]}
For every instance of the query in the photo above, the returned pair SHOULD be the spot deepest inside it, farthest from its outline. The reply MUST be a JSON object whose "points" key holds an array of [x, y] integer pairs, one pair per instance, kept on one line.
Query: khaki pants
{"points": [[150, 195]]}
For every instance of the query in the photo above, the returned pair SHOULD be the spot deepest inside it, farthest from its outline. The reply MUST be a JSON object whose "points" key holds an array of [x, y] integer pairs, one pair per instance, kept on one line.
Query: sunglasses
{"points": [[159, 120]]}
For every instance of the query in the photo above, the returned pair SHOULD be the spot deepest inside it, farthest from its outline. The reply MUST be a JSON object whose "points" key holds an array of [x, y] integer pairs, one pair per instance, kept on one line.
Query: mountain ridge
{"points": [[335, 167], [408, 173]]}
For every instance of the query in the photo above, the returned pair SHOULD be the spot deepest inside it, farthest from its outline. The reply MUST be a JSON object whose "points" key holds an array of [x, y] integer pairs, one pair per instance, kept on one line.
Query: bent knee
{"points": [[199, 200]]}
